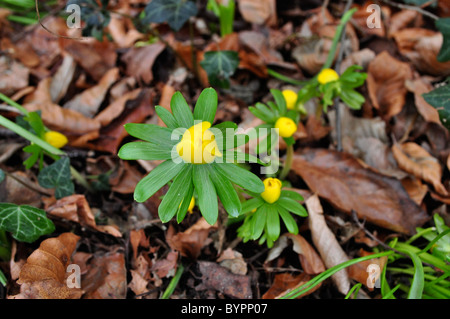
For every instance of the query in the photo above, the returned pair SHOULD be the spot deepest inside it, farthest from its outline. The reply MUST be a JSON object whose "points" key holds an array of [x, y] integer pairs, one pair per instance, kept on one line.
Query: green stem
{"points": [[285, 78], [6, 99], [29, 136], [337, 37], [329, 272], [5, 246], [287, 162], [173, 283]]}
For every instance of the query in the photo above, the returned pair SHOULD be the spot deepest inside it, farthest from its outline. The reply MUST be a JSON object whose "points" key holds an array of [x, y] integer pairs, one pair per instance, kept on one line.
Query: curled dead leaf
{"points": [[421, 47], [386, 84], [190, 242], [415, 160], [326, 243], [311, 262], [258, 11], [359, 271], [77, 209], [43, 275]]}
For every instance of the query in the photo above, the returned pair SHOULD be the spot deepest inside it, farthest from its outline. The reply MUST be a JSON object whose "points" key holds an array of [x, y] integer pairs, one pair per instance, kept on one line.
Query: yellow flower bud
{"points": [[55, 139], [327, 75], [198, 145], [272, 190], [290, 97], [286, 126], [191, 205]]}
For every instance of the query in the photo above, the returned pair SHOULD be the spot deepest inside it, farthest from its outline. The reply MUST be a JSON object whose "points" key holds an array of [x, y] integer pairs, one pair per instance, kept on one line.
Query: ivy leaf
{"points": [[174, 12], [443, 26], [57, 176], [25, 223], [420, 2], [2, 175], [95, 16], [220, 65], [440, 100]]}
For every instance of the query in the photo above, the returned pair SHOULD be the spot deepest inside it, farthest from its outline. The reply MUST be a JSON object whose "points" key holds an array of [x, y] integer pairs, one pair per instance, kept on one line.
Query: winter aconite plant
{"points": [[263, 212], [197, 156]]}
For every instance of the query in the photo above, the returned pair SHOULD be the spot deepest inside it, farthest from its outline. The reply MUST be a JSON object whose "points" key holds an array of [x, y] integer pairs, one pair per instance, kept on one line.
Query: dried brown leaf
{"points": [[43, 275], [77, 209], [284, 283], [311, 262], [219, 278], [359, 271], [415, 160], [139, 61], [347, 185], [88, 102], [190, 242], [386, 84], [421, 47], [326, 243], [258, 11]]}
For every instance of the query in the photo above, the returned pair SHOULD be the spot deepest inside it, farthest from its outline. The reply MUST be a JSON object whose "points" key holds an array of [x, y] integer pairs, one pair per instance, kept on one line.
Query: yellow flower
{"points": [[286, 126], [55, 139], [290, 97], [327, 75], [272, 190], [198, 145], [191, 205]]}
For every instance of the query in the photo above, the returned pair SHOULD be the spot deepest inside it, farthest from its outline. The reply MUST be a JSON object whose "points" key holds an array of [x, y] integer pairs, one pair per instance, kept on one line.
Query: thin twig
{"points": [[409, 7]]}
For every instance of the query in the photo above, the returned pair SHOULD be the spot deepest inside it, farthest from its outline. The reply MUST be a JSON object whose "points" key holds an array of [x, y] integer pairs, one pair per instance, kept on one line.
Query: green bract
{"points": [[208, 180], [262, 220], [270, 113], [344, 88]]}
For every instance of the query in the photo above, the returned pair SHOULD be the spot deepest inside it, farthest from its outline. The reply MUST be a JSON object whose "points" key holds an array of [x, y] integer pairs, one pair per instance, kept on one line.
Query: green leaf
{"points": [[2, 175], [207, 197], [352, 99], [272, 223], [175, 195], [166, 117], [266, 111], [206, 106], [182, 210], [279, 100], [57, 176], [443, 25], [226, 192], [144, 151], [156, 179], [288, 220], [35, 151], [25, 223], [181, 110], [440, 99], [240, 176], [259, 114], [151, 133], [292, 206], [251, 204], [174, 12], [291, 194], [418, 282], [35, 121], [220, 65], [259, 222]]}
